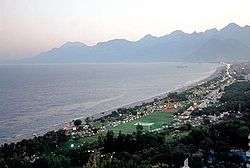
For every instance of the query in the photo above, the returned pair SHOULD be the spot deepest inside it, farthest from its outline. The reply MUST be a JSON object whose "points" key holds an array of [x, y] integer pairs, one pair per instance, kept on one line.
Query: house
{"points": [[186, 164], [190, 109], [170, 106]]}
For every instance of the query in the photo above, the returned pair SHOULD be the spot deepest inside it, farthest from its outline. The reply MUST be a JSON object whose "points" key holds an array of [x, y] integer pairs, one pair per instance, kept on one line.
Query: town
{"points": [[203, 125], [180, 105]]}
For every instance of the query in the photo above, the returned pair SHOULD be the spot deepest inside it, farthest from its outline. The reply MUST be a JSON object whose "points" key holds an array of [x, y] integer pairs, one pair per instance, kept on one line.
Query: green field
{"points": [[158, 118]]}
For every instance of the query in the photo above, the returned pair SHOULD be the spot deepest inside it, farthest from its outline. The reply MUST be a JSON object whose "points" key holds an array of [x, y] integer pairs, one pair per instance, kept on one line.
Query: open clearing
{"points": [[157, 118]]}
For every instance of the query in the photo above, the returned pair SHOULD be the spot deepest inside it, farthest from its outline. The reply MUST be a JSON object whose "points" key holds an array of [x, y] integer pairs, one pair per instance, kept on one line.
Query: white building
{"points": [[186, 164]]}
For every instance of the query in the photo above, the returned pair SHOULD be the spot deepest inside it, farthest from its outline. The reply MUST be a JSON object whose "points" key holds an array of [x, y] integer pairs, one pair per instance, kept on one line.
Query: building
{"points": [[190, 109], [169, 107], [186, 164]]}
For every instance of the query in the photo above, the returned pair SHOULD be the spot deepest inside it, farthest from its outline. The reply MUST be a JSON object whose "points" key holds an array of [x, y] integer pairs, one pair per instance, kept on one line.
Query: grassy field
{"points": [[158, 118]]}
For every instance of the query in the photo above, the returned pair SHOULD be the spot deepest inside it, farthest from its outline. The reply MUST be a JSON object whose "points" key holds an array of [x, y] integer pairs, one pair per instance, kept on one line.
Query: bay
{"points": [[36, 98]]}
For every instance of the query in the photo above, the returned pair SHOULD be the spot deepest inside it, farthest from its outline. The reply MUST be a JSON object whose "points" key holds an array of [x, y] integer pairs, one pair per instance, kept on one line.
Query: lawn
{"points": [[157, 118]]}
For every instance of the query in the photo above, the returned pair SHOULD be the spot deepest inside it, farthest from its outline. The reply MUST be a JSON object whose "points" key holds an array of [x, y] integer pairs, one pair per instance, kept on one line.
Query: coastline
{"points": [[181, 88], [209, 75]]}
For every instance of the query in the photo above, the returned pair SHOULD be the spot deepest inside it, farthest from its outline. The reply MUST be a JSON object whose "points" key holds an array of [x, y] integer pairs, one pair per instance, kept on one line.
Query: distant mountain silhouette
{"points": [[232, 43]]}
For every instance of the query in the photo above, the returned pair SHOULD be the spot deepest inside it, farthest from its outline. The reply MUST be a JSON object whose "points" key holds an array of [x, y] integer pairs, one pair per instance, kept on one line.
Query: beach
{"points": [[77, 111], [179, 89]]}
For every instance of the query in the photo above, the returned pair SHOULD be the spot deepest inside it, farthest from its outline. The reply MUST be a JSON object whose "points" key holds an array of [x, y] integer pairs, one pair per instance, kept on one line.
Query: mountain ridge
{"points": [[230, 43]]}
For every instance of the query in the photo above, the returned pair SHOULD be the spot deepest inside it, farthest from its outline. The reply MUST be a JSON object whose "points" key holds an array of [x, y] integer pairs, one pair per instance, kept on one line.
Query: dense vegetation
{"points": [[208, 145]]}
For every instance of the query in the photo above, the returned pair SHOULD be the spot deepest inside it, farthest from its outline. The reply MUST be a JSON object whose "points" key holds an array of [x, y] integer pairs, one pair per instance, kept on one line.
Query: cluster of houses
{"points": [[90, 129], [165, 105], [199, 97], [80, 130], [202, 96]]}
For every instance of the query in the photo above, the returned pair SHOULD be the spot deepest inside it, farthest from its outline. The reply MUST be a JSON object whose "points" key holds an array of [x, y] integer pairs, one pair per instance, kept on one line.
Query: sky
{"points": [[28, 27]]}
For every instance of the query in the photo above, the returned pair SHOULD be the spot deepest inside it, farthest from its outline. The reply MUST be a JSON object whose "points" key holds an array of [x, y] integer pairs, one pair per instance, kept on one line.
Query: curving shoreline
{"points": [[181, 88]]}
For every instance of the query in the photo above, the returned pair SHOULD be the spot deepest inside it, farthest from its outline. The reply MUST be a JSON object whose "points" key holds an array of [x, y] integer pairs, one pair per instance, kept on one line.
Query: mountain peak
{"points": [[73, 44], [112, 42], [214, 30], [195, 33], [231, 41], [177, 32], [147, 37], [231, 27]]}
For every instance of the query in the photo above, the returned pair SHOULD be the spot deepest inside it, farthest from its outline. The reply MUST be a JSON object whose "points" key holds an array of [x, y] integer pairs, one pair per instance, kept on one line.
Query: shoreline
{"points": [[182, 88], [211, 74]]}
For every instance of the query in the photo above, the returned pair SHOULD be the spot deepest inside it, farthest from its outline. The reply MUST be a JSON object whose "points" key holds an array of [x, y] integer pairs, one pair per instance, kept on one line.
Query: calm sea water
{"points": [[34, 98]]}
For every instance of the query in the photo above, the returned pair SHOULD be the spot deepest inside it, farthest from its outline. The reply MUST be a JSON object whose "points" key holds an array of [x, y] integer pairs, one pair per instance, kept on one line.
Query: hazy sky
{"points": [[28, 27]]}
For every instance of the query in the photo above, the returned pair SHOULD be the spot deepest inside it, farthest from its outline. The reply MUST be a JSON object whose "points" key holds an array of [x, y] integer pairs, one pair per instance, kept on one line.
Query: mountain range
{"points": [[231, 43]]}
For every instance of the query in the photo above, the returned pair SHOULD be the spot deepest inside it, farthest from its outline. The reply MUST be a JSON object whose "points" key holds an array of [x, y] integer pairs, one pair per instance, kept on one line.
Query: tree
{"points": [[87, 120], [114, 114], [52, 161], [243, 132], [93, 160], [41, 163], [196, 160], [109, 141], [2, 163], [139, 129], [78, 122]]}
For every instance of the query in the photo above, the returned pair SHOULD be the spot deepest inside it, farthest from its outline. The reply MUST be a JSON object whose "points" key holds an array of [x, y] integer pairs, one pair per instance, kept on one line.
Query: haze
{"points": [[28, 27]]}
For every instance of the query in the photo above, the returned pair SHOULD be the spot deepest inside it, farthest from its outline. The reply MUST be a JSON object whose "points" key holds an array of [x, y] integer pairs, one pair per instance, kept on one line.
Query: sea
{"points": [[36, 98]]}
